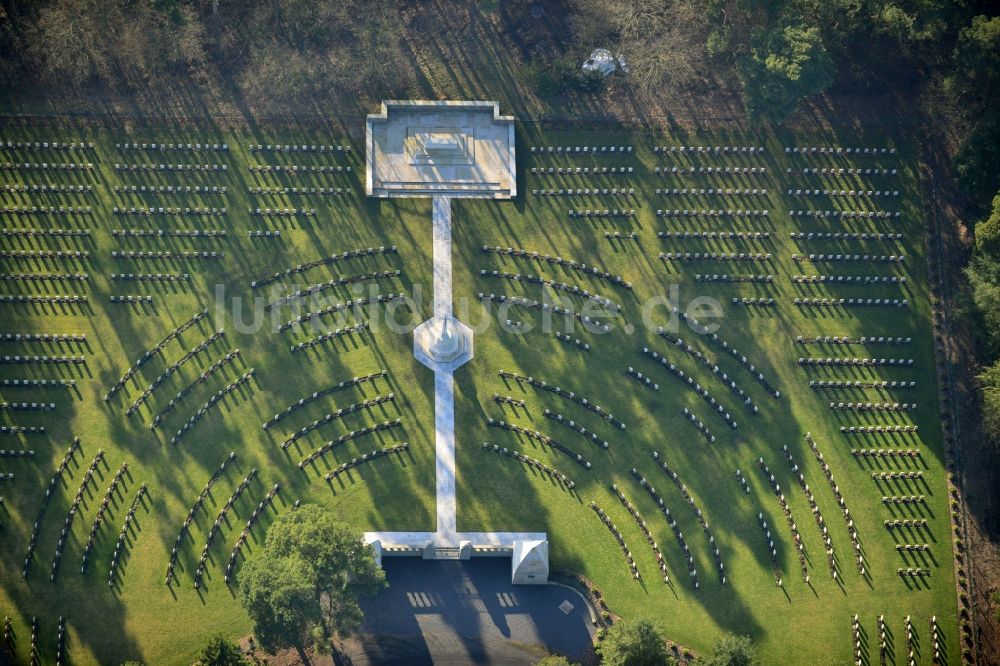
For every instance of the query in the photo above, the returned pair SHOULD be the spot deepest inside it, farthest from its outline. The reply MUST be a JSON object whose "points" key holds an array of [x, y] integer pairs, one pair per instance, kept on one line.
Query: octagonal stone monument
{"points": [[443, 343]]}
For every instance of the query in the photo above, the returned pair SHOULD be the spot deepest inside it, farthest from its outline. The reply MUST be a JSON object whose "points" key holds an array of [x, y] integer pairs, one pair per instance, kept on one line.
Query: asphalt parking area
{"points": [[450, 612]]}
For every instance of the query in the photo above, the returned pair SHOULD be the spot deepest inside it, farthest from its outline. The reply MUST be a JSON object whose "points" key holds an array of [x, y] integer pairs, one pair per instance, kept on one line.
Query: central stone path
{"points": [[441, 224], [444, 450], [444, 379]]}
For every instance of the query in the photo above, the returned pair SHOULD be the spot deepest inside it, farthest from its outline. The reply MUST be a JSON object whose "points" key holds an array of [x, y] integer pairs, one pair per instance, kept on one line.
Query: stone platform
{"points": [[426, 148], [529, 551]]}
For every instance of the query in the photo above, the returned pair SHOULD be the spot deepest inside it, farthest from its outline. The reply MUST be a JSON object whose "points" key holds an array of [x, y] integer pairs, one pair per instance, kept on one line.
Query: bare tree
{"points": [[113, 40], [662, 40]]}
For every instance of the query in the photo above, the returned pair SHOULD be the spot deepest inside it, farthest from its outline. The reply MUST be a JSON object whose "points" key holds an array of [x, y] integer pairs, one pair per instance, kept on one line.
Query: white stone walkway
{"points": [[441, 213], [444, 451], [444, 380], [446, 535]]}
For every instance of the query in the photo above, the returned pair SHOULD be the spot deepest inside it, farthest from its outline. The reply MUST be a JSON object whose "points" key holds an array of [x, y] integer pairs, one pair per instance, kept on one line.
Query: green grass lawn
{"points": [[143, 619]]}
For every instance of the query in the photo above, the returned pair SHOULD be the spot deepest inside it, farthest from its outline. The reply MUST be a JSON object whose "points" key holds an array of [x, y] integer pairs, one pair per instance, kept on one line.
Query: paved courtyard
{"points": [[467, 612]]}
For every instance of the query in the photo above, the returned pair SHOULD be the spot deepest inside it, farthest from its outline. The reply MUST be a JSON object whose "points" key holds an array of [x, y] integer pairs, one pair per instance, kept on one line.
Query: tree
{"points": [[220, 652], [793, 65], [977, 52], [553, 660], [978, 161], [378, 64], [989, 387], [307, 580], [663, 42], [295, 53], [560, 75], [276, 76], [988, 230], [732, 650], [923, 23], [633, 643], [972, 85], [983, 274], [311, 24], [115, 41]]}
